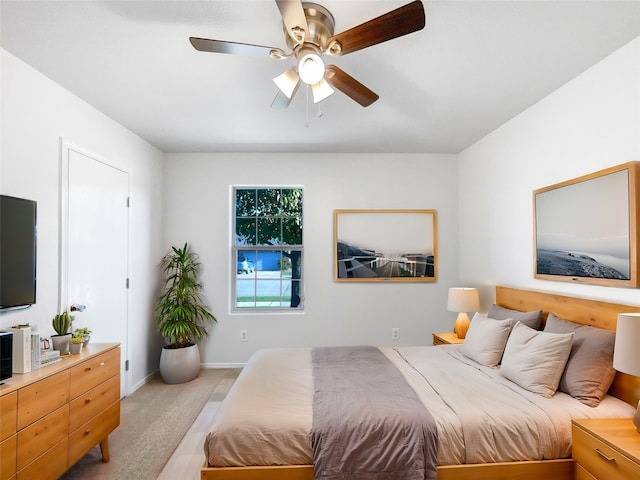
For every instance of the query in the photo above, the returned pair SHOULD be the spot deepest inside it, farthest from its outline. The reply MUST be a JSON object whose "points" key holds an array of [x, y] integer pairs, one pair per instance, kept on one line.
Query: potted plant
{"points": [[61, 324], [85, 333], [181, 315], [76, 343]]}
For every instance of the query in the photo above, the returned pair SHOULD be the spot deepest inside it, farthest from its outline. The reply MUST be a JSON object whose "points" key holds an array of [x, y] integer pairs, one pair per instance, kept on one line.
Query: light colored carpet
{"points": [[153, 421]]}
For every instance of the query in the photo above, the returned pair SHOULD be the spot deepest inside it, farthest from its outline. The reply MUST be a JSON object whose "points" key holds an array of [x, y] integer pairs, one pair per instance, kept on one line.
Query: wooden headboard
{"points": [[580, 310]]}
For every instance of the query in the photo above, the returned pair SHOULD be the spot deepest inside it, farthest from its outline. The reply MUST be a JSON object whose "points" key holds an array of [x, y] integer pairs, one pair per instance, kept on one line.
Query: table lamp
{"points": [[463, 300], [626, 353]]}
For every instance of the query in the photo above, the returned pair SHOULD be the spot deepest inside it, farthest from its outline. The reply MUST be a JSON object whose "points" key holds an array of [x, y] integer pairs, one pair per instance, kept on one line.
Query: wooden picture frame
{"points": [[385, 245], [586, 229]]}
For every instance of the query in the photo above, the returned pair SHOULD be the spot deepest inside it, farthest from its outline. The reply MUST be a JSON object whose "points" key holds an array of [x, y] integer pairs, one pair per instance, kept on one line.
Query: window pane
{"points": [[245, 231], [245, 293], [246, 262], [245, 202], [269, 231], [292, 231], [292, 201], [269, 202]]}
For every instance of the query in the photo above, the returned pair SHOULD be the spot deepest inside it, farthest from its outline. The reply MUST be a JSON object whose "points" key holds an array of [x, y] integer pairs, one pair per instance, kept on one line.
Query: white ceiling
{"points": [[475, 65]]}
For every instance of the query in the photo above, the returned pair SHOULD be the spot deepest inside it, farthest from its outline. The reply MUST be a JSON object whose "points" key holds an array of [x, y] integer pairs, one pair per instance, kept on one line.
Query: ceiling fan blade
{"points": [[350, 86], [281, 102], [294, 19], [396, 23], [235, 48]]}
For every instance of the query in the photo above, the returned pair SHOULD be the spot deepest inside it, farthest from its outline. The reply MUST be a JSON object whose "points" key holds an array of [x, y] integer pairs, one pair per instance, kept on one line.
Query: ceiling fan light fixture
{"points": [[287, 82], [310, 66], [321, 90]]}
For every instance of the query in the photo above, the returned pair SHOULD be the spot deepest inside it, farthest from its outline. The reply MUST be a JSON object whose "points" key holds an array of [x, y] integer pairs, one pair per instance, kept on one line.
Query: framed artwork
{"points": [[385, 246], [586, 229]]}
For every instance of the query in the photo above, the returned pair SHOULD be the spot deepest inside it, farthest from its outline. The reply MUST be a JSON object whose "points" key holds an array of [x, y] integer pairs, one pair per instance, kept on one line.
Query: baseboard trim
{"points": [[222, 365], [146, 379]]}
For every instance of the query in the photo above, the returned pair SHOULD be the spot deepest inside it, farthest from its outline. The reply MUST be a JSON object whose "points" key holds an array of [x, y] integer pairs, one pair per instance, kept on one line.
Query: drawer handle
{"points": [[605, 456], [87, 400], [88, 369]]}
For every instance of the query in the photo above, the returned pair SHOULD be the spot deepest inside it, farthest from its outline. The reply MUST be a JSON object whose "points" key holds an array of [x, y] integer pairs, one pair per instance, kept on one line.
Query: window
{"points": [[267, 248]]}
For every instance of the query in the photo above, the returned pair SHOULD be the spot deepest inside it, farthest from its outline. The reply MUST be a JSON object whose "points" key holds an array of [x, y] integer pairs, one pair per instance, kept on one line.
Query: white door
{"points": [[97, 233]]}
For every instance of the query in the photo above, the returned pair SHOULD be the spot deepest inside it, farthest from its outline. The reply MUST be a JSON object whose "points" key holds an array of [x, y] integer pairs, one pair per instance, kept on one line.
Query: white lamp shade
{"points": [[463, 299], [626, 353]]}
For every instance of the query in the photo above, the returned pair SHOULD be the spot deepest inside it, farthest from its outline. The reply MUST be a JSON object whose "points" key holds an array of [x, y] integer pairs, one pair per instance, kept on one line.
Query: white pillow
{"points": [[486, 339], [535, 360]]}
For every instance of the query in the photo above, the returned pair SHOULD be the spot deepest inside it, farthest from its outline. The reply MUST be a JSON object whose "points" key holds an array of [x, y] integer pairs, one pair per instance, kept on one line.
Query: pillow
{"points": [[486, 339], [589, 371], [531, 319], [535, 360]]}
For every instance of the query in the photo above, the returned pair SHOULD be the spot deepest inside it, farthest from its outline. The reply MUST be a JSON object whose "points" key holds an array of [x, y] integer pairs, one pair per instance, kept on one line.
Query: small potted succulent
{"points": [[76, 343], [61, 324], [85, 333]]}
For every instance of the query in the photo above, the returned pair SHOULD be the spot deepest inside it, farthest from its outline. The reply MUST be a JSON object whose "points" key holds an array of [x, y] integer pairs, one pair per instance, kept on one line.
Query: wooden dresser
{"points": [[50, 418]]}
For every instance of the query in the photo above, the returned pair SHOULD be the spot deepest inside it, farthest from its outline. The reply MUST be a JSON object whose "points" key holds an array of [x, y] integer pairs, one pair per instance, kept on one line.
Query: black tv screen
{"points": [[17, 252]]}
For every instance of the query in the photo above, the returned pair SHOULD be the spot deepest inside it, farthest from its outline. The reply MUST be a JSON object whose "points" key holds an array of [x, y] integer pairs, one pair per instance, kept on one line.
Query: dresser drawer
{"points": [[89, 404], [94, 371], [600, 460], [41, 398], [40, 435], [8, 414], [50, 466], [582, 474], [93, 432], [7, 458]]}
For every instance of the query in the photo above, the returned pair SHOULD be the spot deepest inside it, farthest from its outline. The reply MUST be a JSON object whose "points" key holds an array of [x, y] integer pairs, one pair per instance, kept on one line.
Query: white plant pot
{"points": [[75, 348], [61, 343], [179, 365]]}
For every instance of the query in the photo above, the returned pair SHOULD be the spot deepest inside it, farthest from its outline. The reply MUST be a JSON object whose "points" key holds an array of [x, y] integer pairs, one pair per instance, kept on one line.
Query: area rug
{"points": [[153, 421]]}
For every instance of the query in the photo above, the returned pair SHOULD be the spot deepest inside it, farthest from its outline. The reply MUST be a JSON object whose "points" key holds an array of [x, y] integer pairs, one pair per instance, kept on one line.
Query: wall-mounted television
{"points": [[18, 235]]}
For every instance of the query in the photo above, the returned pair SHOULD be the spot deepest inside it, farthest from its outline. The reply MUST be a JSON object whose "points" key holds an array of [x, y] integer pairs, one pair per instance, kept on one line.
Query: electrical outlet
{"points": [[395, 333], [243, 336]]}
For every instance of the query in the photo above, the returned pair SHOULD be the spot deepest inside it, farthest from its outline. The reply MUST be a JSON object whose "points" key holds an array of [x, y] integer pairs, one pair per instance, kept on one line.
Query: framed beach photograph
{"points": [[585, 229], [385, 246]]}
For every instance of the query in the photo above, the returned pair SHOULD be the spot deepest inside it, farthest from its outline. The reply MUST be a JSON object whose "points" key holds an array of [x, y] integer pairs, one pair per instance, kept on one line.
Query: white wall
{"points": [[36, 113], [591, 123], [197, 210]]}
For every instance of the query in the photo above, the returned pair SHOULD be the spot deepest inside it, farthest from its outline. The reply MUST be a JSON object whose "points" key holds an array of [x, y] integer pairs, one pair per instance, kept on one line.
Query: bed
{"points": [[275, 445]]}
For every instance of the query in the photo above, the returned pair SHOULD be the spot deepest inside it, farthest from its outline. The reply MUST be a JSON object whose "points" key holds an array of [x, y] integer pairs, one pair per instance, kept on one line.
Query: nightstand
{"points": [[605, 449], [446, 338]]}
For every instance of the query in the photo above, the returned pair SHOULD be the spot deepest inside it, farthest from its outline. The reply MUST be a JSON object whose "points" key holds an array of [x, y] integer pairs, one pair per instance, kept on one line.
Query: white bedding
{"points": [[266, 417]]}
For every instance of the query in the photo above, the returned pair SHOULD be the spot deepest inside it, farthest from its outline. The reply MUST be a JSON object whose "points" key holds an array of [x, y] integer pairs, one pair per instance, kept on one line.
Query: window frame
{"points": [[235, 250]]}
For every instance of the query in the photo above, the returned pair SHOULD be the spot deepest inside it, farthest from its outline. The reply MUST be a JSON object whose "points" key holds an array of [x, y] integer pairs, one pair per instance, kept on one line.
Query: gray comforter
{"points": [[368, 423]]}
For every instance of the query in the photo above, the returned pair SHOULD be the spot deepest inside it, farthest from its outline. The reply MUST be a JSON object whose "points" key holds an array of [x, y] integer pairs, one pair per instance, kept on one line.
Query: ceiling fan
{"points": [[309, 33]]}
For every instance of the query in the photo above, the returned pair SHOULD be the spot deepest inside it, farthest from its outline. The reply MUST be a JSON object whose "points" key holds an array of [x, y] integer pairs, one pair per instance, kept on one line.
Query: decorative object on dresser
{"points": [[605, 449], [626, 353], [61, 324], [181, 316], [463, 300], [75, 344], [52, 417], [85, 333]]}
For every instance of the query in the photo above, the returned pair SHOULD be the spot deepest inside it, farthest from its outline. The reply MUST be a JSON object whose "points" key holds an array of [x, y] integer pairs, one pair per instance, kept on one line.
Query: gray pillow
{"points": [[486, 339], [535, 360], [531, 319], [589, 371]]}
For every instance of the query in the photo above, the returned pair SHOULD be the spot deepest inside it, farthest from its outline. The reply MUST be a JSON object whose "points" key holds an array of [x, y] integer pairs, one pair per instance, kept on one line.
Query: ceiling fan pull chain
{"points": [[307, 123]]}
